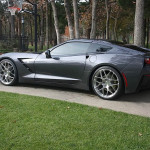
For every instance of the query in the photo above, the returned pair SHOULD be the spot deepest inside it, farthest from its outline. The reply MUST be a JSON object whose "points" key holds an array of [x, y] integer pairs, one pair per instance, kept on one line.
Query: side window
{"points": [[73, 48], [98, 48]]}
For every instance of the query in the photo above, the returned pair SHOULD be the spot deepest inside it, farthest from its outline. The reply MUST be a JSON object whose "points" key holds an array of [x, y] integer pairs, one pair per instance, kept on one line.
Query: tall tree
{"points": [[107, 18], [93, 28], [31, 30], [1, 14], [139, 35], [12, 22], [56, 21], [0, 27], [69, 19], [47, 26], [76, 18], [42, 28]]}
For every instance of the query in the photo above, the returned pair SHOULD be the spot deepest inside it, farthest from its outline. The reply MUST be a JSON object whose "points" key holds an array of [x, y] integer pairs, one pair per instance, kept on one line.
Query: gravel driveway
{"points": [[138, 104]]}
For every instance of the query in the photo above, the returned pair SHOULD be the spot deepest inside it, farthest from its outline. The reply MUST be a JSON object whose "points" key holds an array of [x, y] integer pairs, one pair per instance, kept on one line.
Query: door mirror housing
{"points": [[48, 54]]}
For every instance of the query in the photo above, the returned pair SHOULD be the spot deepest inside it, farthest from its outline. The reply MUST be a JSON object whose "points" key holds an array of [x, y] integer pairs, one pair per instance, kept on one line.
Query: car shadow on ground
{"points": [[140, 97]]}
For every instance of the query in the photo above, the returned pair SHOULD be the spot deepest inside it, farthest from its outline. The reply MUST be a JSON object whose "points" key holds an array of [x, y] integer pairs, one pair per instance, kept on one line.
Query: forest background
{"points": [[125, 21]]}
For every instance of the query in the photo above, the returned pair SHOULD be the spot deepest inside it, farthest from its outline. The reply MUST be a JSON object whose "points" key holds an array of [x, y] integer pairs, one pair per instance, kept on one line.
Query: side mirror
{"points": [[48, 54]]}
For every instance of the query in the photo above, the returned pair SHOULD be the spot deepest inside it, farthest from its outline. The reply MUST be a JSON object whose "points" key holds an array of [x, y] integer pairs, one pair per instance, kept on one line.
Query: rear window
{"points": [[134, 47], [95, 47]]}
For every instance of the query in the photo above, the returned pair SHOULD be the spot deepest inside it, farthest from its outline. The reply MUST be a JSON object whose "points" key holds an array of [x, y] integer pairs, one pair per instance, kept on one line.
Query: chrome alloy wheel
{"points": [[105, 83], [7, 72]]}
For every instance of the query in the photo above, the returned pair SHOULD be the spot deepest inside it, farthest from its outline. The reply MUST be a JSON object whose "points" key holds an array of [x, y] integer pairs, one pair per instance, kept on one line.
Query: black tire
{"points": [[107, 83], [10, 68]]}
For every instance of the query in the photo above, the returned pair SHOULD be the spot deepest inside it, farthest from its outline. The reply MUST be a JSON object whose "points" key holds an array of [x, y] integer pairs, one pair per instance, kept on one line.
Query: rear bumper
{"points": [[145, 82], [145, 78]]}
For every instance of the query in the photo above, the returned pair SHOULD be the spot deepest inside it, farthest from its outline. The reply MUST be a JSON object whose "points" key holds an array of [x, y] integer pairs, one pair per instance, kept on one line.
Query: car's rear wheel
{"points": [[107, 83], [8, 72]]}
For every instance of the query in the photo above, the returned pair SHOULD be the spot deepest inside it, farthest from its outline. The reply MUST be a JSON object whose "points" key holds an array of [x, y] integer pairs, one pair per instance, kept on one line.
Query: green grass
{"points": [[5, 51], [35, 123]]}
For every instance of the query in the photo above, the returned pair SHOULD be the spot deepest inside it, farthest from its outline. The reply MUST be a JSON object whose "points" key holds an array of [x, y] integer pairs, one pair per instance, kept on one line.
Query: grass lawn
{"points": [[35, 123]]}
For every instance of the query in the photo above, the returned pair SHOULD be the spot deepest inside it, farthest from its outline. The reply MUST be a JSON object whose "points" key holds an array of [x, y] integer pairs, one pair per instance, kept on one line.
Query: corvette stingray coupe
{"points": [[108, 68]]}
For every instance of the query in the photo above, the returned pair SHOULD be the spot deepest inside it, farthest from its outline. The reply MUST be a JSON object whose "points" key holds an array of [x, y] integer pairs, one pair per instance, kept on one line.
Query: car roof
{"points": [[80, 40], [97, 41]]}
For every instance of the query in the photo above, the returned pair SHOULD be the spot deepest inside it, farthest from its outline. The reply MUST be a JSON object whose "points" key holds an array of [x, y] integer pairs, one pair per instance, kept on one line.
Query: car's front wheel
{"points": [[107, 83], [8, 72]]}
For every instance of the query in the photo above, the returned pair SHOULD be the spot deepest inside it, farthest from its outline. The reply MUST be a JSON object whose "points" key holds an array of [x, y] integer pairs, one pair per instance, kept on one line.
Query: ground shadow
{"points": [[142, 96], [56, 88]]}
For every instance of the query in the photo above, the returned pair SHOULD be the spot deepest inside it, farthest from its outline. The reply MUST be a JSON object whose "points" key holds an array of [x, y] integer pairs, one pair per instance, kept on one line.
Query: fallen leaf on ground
{"points": [[140, 134], [14, 121], [100, 108]]}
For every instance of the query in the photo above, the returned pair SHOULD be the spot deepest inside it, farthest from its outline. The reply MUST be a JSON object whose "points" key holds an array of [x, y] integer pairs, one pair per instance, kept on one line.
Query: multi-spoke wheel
{"points": [[107, 83], [8, 72]]}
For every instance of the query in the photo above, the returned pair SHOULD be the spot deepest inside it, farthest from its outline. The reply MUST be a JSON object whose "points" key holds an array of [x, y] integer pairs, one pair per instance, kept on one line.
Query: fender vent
{"points": [[25, 65]]}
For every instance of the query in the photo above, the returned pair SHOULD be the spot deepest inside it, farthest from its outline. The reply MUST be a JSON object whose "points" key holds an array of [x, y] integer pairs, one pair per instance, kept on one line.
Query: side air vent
{"points": [[24, 64]]}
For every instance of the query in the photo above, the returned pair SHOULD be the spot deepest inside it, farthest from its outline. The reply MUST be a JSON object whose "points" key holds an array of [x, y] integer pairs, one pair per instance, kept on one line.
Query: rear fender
{"points": [[133, 74]]}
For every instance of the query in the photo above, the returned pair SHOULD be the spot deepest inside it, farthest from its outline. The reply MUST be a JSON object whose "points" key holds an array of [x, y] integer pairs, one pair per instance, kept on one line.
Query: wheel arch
{"points": [[10, 60], [102, 65]]}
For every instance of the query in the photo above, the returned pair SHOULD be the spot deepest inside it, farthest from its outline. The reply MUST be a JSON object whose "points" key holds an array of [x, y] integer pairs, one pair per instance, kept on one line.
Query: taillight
{"points": [[147, 61]]}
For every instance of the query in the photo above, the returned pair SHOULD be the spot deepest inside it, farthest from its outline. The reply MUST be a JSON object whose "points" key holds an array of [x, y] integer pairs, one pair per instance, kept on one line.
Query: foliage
{"points": [[127, 4], [121, 19]]}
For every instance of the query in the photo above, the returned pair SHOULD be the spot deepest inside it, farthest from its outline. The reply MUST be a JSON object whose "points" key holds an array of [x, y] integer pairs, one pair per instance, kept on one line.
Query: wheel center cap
{"points": [[106, 83]]}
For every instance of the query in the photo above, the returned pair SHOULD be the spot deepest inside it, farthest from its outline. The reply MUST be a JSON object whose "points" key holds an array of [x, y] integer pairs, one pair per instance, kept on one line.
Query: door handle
{"points": [[87, 56]]}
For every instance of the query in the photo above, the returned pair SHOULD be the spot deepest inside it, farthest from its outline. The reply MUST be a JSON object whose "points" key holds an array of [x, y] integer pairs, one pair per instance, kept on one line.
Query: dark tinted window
{"points": [[98, 48], [71, 49]]}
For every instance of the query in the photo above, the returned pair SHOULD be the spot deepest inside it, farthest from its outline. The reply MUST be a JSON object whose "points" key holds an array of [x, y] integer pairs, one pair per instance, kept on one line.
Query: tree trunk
{"points": [[147, 41], [12, 21], [19, 25], [50, 25], [93, 27], [139, 24], [42, 29], [31, 32], [0, 28], [9, 29], [88, 33], [19, 31], [5, 27], [115, 27], [56, 21], [76, 19], [47, 26], [69, 19], [107, 19]]}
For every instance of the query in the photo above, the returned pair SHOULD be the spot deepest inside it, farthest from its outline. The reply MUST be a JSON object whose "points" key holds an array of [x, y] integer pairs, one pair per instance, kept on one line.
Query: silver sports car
{"points": [[108, 68]]}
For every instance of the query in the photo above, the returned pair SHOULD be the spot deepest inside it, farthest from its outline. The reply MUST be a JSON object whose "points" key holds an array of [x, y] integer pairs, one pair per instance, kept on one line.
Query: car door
{"points": [[66, 65]]}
